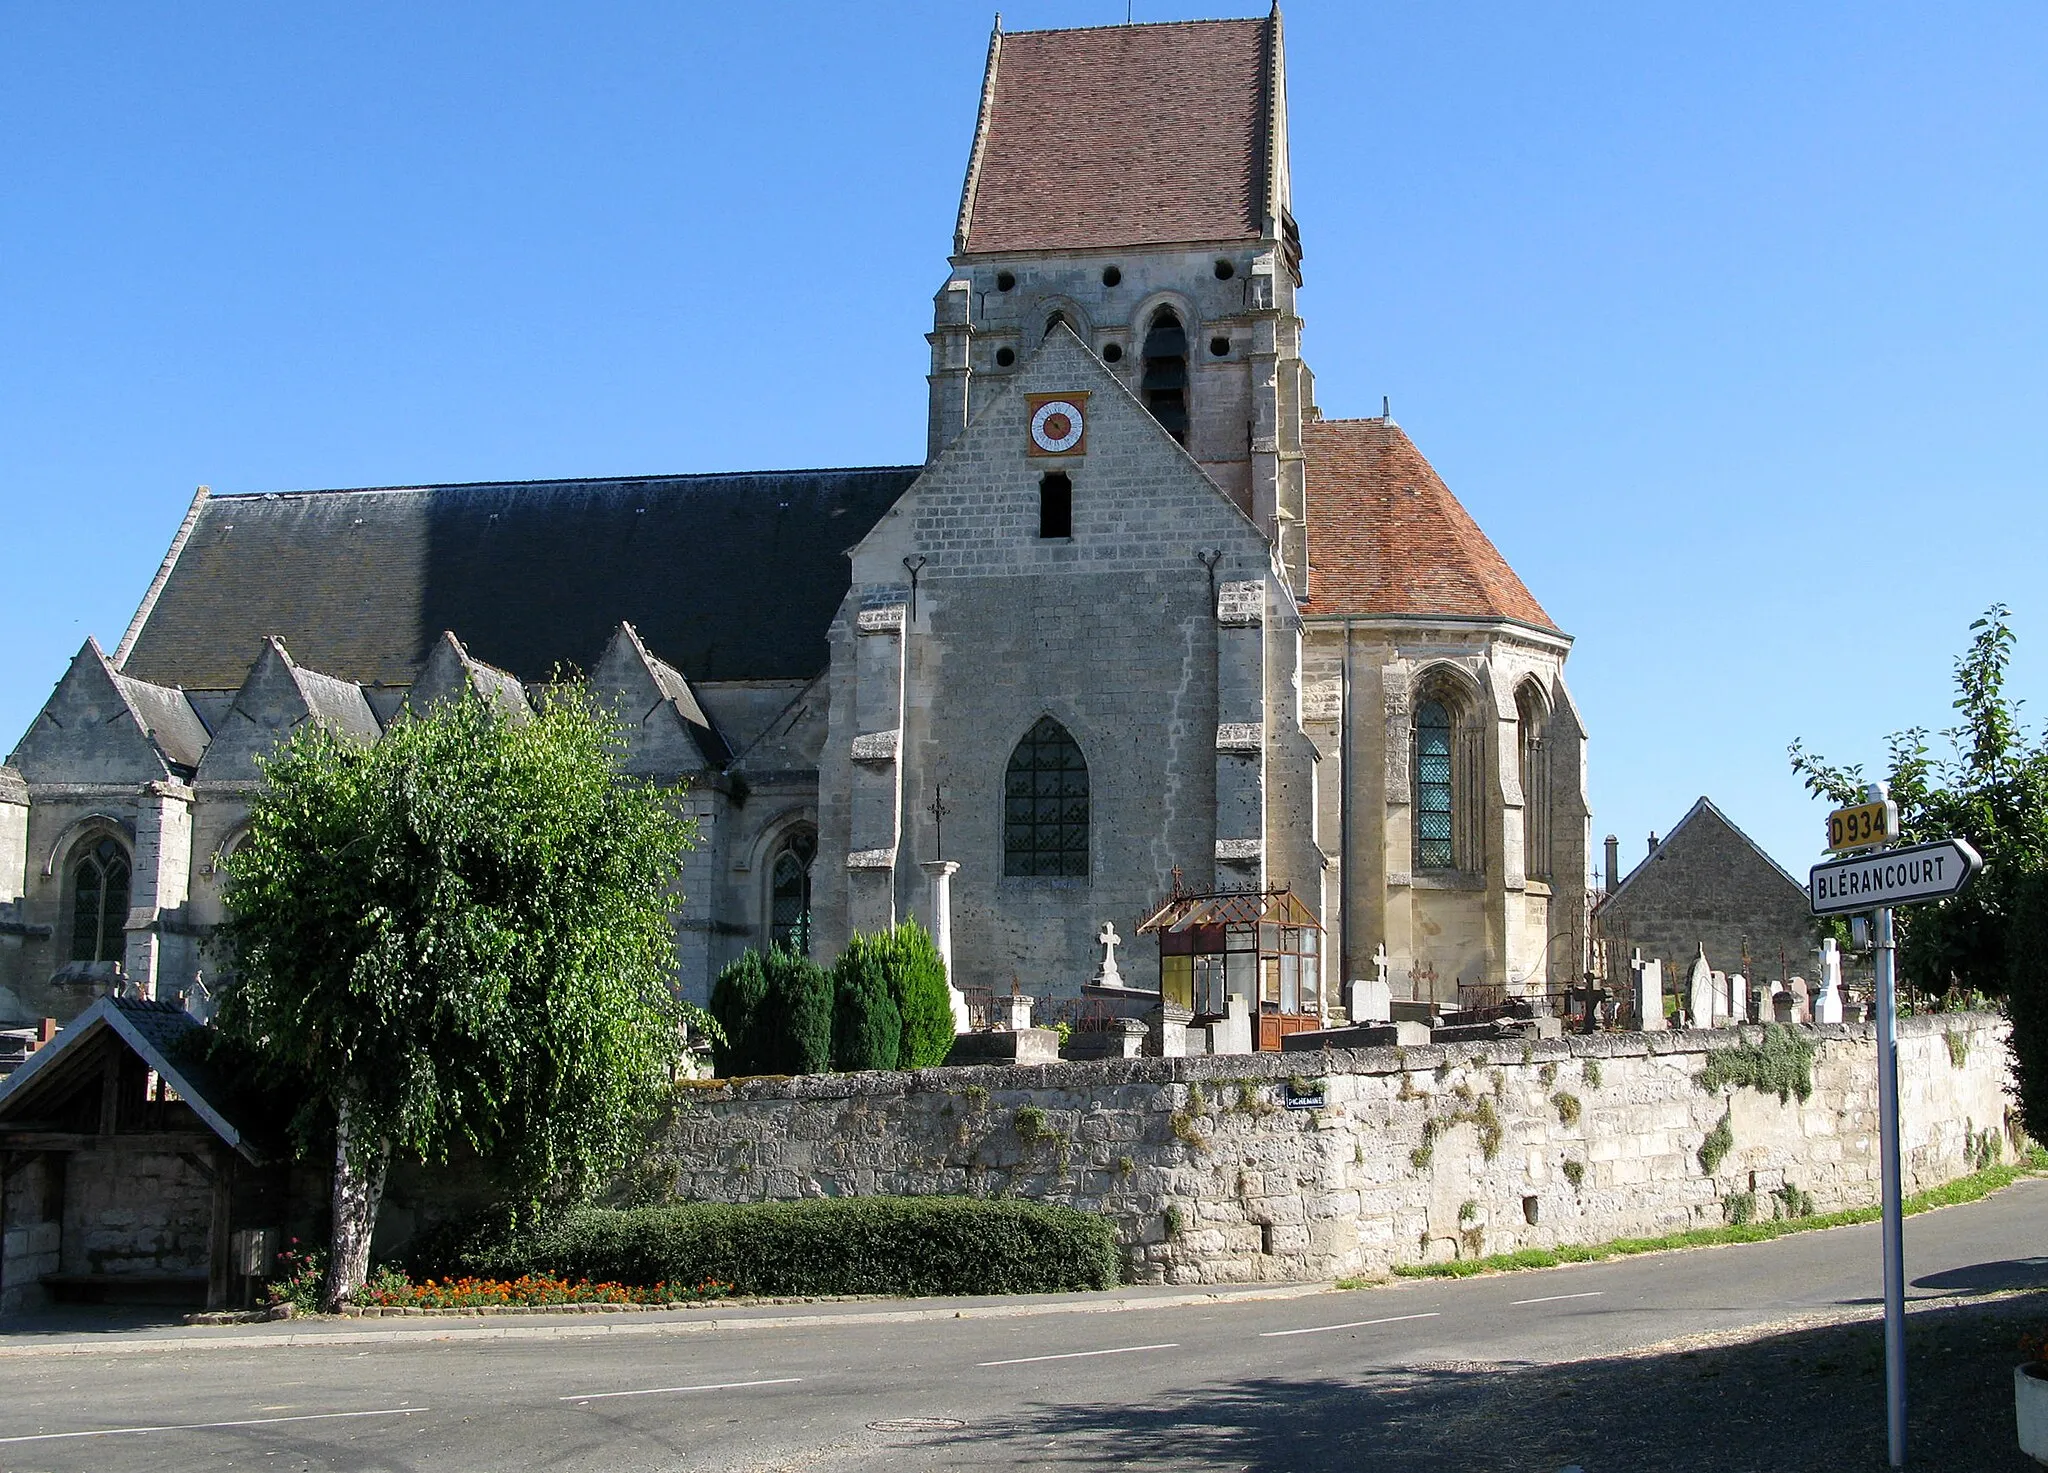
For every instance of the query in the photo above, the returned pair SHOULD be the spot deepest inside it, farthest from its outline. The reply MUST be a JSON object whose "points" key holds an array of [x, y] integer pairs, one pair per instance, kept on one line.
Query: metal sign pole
{"points": [[1894, 1223]]}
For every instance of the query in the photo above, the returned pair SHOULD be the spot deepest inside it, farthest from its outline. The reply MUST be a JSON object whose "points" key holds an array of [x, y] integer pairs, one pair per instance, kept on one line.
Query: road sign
{"points": [[1894, 877], [1862, 826]]}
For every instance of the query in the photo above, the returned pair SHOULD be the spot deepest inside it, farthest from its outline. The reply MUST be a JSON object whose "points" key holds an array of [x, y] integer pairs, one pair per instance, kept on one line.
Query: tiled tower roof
{"points": [[1123, 135], [1386, 536]]}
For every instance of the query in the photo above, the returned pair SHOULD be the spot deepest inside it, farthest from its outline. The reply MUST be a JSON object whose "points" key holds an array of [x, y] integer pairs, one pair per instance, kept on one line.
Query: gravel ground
{"points": [[1806, 1399]]}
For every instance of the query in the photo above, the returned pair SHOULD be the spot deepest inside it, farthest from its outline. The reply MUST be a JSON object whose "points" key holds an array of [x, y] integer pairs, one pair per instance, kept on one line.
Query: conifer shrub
{"points": [[846, 1245], [924, 1001], [867, 1026], [800, 1006], [739, 1001]]}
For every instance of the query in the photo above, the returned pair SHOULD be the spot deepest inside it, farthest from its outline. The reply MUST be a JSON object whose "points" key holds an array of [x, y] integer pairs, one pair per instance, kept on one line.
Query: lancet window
{"points": [[1045, 805]]}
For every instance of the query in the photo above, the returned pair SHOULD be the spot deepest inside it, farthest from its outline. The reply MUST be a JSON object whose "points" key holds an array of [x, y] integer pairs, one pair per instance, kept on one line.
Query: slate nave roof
{"points": [[731, 577]]}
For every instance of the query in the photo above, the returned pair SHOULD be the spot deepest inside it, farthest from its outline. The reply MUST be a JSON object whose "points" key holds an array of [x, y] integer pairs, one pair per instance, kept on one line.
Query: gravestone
{"points": [[1117, 1038], [1648, 979], [1802, 1001], [1767, 1001], [1011, 1013], [1232, 1033], [1738, 1000], [1700, 1008], [1827, 1000], [1371, 1001], [1783, 1005], [1167, 1031]]}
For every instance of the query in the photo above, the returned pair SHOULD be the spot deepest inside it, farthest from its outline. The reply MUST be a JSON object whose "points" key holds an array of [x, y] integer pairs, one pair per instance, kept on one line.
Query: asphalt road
{"points": [[1418, 1375]]}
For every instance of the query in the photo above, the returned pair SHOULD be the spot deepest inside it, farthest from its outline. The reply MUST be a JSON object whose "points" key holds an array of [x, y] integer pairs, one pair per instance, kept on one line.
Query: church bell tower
{"points": [[1131, 183]]}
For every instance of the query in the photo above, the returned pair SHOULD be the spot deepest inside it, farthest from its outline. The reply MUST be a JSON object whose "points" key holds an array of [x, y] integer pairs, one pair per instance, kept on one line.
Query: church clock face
{"points": [[1059, 424]]}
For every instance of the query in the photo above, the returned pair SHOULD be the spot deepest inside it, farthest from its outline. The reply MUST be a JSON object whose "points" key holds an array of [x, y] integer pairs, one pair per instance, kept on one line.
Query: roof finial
{"points": [[1386, 406]]}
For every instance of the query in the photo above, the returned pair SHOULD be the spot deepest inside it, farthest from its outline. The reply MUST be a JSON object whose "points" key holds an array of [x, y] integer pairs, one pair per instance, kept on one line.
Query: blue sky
{"points": [[1729, 324]]}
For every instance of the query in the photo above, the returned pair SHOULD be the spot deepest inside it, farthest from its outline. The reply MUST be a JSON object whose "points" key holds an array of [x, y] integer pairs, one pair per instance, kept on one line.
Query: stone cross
{"points": [[1648, 992], [1107, 975], [1381, 966], [1827, 1000]]}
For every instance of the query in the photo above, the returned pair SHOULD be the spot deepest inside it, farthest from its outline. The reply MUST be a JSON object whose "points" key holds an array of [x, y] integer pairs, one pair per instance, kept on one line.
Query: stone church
{"points": [[1142, 621]]}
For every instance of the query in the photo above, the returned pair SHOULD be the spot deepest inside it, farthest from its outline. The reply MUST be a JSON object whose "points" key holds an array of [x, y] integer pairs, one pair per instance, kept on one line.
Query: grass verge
{"points": [[1969, 1188]]}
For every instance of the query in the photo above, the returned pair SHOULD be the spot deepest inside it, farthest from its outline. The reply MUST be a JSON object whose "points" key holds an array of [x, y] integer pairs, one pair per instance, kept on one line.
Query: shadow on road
{"points": [[1989, 1278], [1799, 1402]]}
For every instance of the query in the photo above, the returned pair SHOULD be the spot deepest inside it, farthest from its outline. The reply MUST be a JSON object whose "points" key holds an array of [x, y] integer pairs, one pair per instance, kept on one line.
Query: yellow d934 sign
{"points": [[1864, 825]]}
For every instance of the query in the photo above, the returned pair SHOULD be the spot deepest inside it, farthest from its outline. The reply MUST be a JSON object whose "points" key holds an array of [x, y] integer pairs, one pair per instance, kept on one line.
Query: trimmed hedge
{"points": [[867, 1028], [799, 1007], [924, 1001], [830, 1245], [738, 999]]}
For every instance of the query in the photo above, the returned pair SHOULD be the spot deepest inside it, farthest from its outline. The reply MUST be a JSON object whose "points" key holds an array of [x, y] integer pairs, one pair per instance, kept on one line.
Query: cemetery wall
{"points": [[1409, 1156]]}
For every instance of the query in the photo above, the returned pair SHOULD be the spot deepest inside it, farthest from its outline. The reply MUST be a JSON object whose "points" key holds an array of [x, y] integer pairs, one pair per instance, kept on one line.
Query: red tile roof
{"points": [[1386, 536], [1124, 135]]}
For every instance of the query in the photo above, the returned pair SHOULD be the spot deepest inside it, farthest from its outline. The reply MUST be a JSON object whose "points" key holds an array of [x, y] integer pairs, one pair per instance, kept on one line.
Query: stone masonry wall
{"points": [[1212, 1178]]}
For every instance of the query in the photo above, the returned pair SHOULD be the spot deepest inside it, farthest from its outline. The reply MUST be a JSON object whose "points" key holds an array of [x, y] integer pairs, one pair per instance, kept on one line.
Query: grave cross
{"points": [[1107, 975]]}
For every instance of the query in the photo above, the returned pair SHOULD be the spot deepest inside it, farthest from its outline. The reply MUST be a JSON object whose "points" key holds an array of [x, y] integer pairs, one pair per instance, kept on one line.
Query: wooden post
{"points": [[220, 1231], [110, 1088]]}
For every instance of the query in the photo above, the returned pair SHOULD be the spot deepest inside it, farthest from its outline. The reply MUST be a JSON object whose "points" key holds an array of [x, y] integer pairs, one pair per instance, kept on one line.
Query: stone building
{"points": [[1706, 884], [1142, 618]]}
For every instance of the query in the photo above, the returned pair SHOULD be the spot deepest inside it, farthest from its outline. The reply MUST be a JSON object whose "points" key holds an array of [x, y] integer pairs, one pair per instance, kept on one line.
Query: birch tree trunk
{"points": [[358, 1188]]}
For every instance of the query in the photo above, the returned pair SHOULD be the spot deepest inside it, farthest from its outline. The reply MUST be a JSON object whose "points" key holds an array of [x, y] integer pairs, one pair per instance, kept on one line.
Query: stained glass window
{"points": [[1045, 805], [789, 919], [99, 904], [1433, 786]]}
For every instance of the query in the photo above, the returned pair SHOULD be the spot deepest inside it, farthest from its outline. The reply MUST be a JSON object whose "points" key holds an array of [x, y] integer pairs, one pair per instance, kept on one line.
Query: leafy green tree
{"points": [[800, 1000], [1988, 785], [867, 1028], [459, 935], [917, 981]]}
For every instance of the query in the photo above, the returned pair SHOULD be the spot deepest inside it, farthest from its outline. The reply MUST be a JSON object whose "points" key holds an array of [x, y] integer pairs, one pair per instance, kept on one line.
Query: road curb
{"points": [[586, 1326]]}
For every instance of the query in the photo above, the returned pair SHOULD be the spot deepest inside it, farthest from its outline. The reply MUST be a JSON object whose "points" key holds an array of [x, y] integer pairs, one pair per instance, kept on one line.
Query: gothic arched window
{"points": [[1045, 805], [1164, 384], [1433, 787], [99, 903], [789, 892], [1535, 784]]}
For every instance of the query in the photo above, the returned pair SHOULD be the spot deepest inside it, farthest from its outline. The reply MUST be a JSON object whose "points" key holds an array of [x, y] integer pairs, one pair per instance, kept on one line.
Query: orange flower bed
{"points": [[528, 1289]]}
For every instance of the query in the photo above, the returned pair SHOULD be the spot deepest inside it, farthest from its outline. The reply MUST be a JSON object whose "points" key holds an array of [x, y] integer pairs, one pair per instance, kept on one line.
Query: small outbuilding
{"points": [[134, 1170], [1707, 888], [1258, 945]]}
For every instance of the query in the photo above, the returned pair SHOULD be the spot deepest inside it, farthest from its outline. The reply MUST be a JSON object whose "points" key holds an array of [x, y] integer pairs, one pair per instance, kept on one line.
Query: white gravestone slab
{"points": [[1700, 1006], [1371, 1001], [1738, 999], [1648, 978]]}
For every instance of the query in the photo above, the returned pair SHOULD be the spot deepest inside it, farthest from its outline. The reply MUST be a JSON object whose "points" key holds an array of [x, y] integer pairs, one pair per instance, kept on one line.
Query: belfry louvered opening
{"points": [[1164, 384]]}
